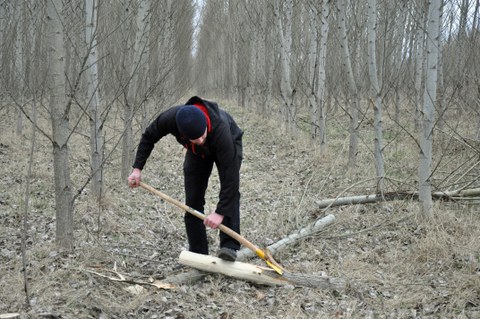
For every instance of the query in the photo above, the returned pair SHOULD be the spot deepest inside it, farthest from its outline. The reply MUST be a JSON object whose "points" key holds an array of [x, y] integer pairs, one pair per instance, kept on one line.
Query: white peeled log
{"points": [[237, 269], [245, 253], [257, 274]]}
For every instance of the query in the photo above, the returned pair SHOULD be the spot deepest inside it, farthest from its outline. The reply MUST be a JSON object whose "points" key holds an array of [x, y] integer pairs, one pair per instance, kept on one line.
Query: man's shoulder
{"points": [[207, 103]]}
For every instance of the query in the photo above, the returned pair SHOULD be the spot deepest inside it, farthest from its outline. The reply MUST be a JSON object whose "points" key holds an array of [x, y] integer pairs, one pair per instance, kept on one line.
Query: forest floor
{"points": [[396, 264]]}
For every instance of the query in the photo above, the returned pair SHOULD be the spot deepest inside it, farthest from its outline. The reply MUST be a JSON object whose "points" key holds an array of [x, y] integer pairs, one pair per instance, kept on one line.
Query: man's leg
{"points": [[196, 174], [233, 222]]}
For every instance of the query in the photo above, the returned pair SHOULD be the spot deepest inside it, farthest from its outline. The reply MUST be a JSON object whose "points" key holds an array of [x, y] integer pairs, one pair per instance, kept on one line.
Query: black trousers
{"points": [[197, 172]]}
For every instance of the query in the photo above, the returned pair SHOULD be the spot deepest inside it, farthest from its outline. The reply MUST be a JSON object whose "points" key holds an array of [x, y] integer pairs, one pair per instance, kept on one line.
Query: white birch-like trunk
{"points": [[428, 114], [59, 113], [372, 68], [96, 108], [138, 54]]}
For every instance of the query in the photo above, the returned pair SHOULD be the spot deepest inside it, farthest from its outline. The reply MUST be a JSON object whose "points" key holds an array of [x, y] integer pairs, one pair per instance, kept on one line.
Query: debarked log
{"points": [[245, 253], [237, 269], [258, 274]]}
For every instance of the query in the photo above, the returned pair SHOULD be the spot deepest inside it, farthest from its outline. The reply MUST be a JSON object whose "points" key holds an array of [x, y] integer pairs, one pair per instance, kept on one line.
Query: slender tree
{"points": [[428, 113], [283, 23], [59, 113], [377, 98], [419, 43], [96, 116], [320, 120], [352, 93], [139, 52]]}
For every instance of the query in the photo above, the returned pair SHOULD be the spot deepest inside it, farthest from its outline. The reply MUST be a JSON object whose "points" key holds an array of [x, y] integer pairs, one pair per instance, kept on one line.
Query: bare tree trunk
{"points": [[285, 40], [322, 74], [352, 94], [26, 285], [251, 99], [131, 103], [59, 112], [19, 64], [419, 62], [428, 118], [372, 63], [269, 61], [313, 69], [462, 24], [476, 20], [96, 107], [441, 87]]}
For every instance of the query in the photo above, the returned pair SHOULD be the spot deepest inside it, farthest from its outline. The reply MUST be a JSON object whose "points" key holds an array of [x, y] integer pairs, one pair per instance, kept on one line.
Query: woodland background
{"points": [[337, 98]]}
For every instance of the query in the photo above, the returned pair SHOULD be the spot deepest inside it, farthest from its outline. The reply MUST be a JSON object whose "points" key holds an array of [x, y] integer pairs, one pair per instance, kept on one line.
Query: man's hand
{"points": [[213, 220], [135, 178]]}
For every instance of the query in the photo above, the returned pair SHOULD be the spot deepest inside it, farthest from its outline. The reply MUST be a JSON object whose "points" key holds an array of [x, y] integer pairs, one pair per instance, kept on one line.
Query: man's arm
{"points": [[161, 126]]}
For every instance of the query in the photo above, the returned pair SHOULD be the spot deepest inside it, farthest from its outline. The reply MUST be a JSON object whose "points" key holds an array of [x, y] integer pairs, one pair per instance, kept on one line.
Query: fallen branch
{"points": [[372, 198], [310, 230]]}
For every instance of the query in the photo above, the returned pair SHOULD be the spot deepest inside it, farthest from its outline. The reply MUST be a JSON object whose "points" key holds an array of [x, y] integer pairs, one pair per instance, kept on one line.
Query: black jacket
{"points": [[223, 146]]}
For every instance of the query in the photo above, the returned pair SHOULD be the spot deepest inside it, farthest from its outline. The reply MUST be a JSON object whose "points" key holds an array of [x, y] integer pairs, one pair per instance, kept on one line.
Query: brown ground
{"points": [[398, 265]]}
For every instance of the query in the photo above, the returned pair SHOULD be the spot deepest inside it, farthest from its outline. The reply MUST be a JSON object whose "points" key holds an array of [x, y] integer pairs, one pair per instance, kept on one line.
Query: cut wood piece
{"points": [[240, 270], [9, 315]]}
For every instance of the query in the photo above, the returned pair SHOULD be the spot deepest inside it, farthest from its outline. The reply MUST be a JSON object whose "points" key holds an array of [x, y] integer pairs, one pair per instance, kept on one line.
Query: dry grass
{"points": [[398, 265]]}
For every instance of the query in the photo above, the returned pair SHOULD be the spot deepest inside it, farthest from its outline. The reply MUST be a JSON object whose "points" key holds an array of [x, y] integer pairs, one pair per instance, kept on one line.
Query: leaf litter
{"points": [[402, 269]]}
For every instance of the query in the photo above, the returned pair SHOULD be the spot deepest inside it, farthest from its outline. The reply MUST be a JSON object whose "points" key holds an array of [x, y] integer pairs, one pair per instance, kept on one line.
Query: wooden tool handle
{"points": [[196, 213]]}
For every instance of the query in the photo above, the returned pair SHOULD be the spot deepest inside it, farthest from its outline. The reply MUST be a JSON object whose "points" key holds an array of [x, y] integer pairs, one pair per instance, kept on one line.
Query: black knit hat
{"points": [[191, 122]]}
